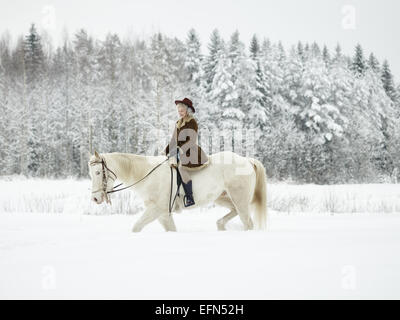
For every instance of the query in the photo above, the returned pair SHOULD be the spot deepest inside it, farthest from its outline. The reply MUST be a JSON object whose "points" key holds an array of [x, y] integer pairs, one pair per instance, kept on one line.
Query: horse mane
{"points": [[131, 166]]}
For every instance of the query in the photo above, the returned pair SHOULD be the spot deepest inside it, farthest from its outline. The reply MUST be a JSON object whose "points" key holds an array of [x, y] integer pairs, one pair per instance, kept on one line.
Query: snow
{"points": [[307, 252], [82, 256]]}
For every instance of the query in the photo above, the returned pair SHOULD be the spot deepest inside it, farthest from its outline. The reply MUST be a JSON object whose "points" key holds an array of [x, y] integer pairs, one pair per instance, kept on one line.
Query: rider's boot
{"points": [[188, 198]]}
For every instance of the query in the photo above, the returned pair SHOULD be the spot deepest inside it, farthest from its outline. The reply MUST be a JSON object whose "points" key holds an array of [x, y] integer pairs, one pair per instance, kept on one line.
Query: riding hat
{"points": [[187, 102]]}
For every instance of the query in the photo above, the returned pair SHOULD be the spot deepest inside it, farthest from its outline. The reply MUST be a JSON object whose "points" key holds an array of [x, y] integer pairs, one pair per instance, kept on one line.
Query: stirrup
{"points": [[188, 200]]}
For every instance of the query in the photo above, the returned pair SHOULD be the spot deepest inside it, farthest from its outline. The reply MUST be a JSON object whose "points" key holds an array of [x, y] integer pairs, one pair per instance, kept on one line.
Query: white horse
{"points": [[227, 179]]}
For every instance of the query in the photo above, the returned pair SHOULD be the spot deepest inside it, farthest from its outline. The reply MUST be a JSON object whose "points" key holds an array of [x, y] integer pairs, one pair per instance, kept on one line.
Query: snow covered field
{"points": [[55, 244]]}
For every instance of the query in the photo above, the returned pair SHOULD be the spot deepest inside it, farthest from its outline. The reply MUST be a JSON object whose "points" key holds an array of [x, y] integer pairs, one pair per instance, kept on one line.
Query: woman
{"points": [[184, 148]]}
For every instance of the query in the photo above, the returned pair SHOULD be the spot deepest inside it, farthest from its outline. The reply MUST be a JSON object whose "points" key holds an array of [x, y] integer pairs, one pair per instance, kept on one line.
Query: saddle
{"points": [[178, 174], [179, 180]]}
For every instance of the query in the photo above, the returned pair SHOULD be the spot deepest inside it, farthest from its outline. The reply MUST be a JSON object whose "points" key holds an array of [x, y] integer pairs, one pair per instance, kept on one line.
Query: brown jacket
{"points": [[190, 153]]}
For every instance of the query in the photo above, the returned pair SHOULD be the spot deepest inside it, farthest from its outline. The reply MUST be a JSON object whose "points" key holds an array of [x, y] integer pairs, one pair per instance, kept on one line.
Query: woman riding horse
{"points": [[183, 147]]}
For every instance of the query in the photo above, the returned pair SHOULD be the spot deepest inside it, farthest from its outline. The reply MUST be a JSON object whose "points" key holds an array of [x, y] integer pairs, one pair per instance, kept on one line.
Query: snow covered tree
{"points": [[300, 51], [3, 122], [315, 50], [377, 116], [317, 116], [358, 64], [397, 102], [316, 112], [164, 71], [194, 73], [193, 57], [137, 81], [387, 80], [338, 56], [233, 112], [109, 64], [373, 63], [341, 86], [326, 55], [34, 58], [211, 60], [34, 72], [293, 77], [254, 47], [260, 107], [83, 98], [224, 92]]}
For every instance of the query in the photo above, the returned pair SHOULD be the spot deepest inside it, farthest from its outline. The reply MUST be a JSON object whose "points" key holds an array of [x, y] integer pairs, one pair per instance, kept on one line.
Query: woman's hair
{"points": [[188, 110]]}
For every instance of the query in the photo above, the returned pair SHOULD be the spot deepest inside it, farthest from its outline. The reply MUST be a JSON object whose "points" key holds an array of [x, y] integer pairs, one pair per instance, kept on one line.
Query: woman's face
{"points": [[181, 111]]}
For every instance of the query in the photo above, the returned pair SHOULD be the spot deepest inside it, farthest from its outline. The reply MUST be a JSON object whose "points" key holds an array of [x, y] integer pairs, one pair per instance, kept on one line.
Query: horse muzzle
{"points": [[98, 198]]}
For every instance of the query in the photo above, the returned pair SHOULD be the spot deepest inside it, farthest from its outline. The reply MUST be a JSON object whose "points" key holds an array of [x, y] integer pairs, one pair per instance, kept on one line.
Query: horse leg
{"points": [[225, 201], [167, 222], [244, 215], [148, 216], [242, 207], [221, 223]]}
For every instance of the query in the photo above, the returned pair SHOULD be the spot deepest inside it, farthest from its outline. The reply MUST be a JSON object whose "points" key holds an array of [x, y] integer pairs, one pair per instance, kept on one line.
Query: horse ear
{"points": [[96, 154], [89, 155]]}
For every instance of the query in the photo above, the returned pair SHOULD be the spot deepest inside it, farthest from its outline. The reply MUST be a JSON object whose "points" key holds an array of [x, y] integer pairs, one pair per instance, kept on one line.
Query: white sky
{"points": [[325, 21]]}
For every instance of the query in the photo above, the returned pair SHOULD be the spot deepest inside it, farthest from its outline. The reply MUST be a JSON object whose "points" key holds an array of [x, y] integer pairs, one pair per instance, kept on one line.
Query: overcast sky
{"points": [[373, 23]]}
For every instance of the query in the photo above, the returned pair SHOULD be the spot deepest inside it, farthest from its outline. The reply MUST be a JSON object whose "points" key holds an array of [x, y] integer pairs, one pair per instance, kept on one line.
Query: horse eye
{"points": [[97, 172]]}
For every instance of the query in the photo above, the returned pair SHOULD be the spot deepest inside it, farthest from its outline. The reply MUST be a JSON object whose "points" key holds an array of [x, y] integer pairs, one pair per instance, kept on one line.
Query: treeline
{"points": [[318, 115]]}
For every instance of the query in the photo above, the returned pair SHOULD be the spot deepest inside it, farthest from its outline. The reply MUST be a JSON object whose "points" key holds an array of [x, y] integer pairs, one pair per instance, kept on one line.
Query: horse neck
{"points": [[127, 166]]}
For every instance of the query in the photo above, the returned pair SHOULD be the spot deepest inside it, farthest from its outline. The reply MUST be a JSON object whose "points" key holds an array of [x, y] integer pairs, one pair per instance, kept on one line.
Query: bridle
{"points": [[114, 189], [104, 178]]}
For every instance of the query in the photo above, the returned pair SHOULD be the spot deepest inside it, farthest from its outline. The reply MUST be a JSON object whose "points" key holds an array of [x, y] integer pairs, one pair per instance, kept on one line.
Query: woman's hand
{"points": [[172, 161]]}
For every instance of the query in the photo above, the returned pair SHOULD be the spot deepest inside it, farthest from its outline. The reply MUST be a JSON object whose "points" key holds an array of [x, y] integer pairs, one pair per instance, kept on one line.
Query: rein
{"points": [[138, 180], [114, 189], [170, 194]]}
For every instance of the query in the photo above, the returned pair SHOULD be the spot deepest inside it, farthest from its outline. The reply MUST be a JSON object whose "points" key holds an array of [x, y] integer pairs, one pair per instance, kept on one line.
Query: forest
{"points": [[311, 114]]}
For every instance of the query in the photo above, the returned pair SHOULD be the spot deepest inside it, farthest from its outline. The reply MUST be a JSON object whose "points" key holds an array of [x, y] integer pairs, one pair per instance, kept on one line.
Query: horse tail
{"points": [[260, 194]]}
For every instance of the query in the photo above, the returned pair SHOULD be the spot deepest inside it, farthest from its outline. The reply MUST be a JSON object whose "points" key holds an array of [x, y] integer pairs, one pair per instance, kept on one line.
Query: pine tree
{"points": [[211, 60], [338, 57], [237, 58], [162, 76], [387, 80], [306, 49], [266, 47], [300, 51], [373, 63], [224, 92], [281, 54], [109, 61], [293, 79], [193, 57], [373, 111], [326, 55], [254, 47], [33, 80], [260, 108], [84, 99], [316, 114], [34, 58], [315, 50], [3, 123], [398, 98], [236, 53], [358, 64]]}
